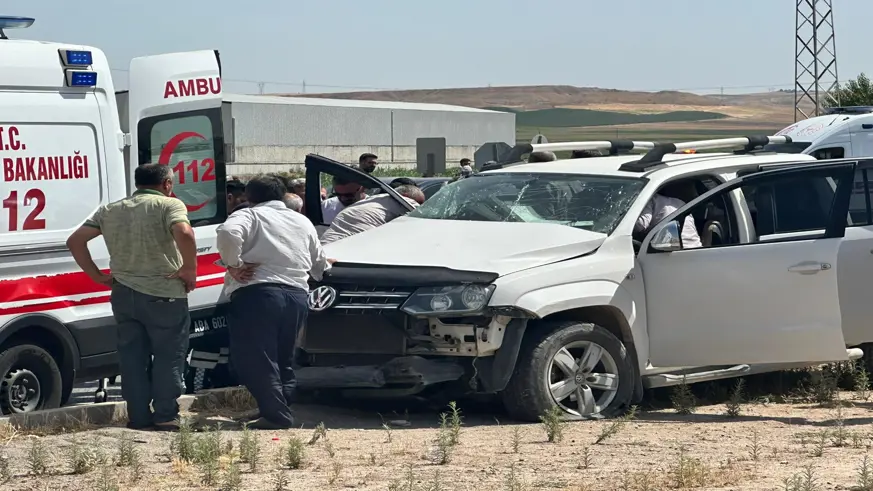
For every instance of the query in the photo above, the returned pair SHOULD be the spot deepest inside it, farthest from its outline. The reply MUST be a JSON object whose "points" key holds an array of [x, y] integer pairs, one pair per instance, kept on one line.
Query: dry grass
{"points": [[765, 446]]}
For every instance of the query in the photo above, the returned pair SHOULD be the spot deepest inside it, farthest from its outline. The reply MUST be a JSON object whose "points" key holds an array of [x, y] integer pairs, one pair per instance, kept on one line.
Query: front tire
{"points": [[30, 380], [563, 363]]}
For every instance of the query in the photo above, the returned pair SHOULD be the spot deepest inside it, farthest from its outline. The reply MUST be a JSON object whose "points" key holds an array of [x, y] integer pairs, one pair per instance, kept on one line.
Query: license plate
{"points": [[202, 326]]}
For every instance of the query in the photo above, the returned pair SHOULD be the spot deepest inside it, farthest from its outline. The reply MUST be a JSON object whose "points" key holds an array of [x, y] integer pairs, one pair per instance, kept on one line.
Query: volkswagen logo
{"points": [[321, 298]]}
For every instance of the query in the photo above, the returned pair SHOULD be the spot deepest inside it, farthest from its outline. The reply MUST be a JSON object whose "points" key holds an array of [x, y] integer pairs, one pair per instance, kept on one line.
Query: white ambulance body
{"points": [[64, 152], [843, 132]]}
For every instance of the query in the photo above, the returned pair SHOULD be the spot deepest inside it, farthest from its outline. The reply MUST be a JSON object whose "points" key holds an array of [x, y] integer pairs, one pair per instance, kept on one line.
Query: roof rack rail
{"points": [[514, 155], [655, 157]]}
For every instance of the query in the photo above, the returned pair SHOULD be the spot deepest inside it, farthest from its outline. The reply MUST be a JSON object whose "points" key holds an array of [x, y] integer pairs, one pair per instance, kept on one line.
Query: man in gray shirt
{"points": [[270, 252], [371, 213]]}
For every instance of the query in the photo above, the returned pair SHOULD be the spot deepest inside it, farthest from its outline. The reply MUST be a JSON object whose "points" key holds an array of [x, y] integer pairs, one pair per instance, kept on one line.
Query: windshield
{"points": [[594, 203], [793, 147]]}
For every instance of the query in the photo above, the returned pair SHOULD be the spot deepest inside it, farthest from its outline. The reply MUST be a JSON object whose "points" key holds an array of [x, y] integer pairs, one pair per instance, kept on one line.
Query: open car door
{"points": [[316, 165], [174, 118], [770, 299]]}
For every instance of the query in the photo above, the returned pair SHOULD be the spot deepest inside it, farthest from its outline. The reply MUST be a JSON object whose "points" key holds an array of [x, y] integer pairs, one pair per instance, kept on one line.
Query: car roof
{"points": [[674, 164]]}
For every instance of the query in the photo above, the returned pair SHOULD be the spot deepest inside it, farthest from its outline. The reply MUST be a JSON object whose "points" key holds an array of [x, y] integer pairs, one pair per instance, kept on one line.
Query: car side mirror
{"points": [[668, 238]]}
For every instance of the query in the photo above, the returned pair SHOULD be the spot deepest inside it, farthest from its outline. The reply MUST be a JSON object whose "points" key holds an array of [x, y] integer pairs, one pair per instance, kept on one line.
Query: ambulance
{"points": [[841, 132], [69, 144]]}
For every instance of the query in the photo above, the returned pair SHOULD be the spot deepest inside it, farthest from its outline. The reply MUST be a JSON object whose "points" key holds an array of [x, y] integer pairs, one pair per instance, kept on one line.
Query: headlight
{"points": [[461, 299]]}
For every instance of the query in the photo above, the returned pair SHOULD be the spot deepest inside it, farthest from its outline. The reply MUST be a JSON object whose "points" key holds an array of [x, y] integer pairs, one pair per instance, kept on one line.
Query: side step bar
{"points": [[671, 379]]}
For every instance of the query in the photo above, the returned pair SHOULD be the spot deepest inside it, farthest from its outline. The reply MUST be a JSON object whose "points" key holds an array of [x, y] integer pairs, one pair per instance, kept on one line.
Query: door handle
{"points": [[809, 267]]}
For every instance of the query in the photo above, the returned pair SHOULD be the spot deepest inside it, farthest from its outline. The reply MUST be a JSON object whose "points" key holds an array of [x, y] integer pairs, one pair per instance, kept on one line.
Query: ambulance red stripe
{"points": [[78, 283]]}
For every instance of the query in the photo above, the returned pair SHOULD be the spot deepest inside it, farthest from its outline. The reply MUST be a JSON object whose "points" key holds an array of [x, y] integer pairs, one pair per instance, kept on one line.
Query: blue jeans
{"points": [[152, 348]]}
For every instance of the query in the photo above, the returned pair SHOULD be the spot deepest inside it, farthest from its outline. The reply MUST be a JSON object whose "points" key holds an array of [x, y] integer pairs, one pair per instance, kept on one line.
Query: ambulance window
{"points": [[192, 144], [829, 153]]}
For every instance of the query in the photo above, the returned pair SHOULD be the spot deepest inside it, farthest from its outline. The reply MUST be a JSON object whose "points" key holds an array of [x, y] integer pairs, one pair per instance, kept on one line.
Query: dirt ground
{"points": [[758, 450]]}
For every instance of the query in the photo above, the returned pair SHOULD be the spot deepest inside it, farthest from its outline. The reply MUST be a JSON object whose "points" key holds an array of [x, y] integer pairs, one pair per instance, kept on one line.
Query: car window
{"points": [[432, 189], [829, 153], [793, 203], [584, 201], [191, 145], [860, 202]]}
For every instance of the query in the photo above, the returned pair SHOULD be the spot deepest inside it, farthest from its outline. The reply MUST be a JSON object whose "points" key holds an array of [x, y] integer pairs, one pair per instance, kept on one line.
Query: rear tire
{"points": [[30, 380], [561, 361]]}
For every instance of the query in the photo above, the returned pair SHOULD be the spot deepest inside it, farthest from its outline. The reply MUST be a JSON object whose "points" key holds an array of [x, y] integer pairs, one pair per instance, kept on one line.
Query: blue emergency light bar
{"points": [[76, 58], [81, 78], [10, 22]]}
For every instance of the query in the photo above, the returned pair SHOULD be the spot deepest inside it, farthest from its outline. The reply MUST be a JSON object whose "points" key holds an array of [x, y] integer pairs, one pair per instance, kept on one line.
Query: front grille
{"points": [[360, 300], [371, 298]]}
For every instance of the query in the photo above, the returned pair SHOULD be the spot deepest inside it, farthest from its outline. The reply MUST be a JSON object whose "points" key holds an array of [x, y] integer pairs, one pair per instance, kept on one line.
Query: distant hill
{"points": [[564, 112], [564, 117], [526, 97]]}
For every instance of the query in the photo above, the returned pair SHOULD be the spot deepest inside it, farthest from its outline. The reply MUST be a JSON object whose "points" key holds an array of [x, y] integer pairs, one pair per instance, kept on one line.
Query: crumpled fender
{"points": [[595, 293]]}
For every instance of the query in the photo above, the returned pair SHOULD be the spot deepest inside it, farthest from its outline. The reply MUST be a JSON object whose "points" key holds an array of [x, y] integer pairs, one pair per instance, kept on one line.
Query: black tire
{"points": [[527, 395], [41, 364]]}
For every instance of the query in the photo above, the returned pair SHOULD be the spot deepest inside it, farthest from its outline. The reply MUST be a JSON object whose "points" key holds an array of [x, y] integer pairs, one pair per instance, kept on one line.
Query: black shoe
{"points": [[167, 426], [139, 426], [265, 424]]}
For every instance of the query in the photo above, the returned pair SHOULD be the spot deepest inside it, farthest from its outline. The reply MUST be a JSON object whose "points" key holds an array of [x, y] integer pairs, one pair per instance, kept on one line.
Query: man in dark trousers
{"points": [[270, 252], [153, 264]]}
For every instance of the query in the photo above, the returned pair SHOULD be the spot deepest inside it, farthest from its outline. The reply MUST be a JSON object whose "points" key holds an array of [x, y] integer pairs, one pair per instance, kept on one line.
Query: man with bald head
{"points": [[542, 157], [371, 213], [293, 202]]}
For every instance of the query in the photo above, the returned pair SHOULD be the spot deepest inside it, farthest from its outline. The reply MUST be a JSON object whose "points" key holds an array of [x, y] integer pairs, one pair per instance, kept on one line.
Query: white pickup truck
{"points": [[527, 280]]}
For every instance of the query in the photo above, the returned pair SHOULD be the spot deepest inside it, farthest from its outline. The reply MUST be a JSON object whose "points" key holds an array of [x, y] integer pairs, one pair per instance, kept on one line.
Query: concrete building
{"points": [[270, 134]]}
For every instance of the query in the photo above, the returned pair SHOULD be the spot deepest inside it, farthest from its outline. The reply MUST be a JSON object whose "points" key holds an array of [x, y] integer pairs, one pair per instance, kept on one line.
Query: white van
{"points": [[68, 146], [842, 132]]}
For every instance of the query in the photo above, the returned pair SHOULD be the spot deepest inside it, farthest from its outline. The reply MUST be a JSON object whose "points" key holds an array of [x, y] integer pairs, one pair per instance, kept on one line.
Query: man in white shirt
{"points": [[345, 194], [371, 213], [662, 205], [270, 252]]}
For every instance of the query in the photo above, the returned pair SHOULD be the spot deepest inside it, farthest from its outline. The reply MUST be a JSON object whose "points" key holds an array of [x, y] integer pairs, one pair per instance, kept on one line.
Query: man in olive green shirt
{"points": [[153, 266]]}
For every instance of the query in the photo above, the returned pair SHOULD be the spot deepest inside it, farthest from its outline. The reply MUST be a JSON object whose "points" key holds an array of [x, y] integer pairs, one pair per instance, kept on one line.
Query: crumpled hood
{"points": [[489, 247]]}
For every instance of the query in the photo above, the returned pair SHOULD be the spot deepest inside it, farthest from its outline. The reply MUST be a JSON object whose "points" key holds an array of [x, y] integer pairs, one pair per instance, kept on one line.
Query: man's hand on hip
{"points": [[188, 276], [244, 273], [102, 278]]}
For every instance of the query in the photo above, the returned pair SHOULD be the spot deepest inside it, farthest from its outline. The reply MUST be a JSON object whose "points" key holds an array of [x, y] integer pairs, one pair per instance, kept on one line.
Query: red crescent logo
{"points": [[167, 152]]}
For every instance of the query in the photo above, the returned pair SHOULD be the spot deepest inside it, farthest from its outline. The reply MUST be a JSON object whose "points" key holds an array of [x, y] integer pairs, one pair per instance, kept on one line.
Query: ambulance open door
{"points": [[174, 116]]}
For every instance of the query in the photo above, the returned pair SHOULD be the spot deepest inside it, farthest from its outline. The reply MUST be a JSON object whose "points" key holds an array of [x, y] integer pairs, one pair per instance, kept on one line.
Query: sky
{"points": [[345, 45]]}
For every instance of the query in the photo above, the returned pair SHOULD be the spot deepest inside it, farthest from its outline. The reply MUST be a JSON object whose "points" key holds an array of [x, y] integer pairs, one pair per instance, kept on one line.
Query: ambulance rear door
{"points": [[174, 111]]}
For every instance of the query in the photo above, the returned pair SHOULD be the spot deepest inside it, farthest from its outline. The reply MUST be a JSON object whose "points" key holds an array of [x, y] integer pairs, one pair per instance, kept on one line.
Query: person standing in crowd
{"points": [[367, 162], [346, 193], [371, 213], [270, 253], [466, 168], [401, 181], [153, 264], [584, 154], [236, 195], [540, 156], [297, 186], [293, 202]]}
